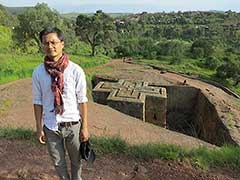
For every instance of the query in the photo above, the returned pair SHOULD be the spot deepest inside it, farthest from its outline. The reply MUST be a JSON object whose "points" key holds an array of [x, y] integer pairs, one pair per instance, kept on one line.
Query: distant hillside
{"points": [[118, 14], [70, 15], [17, 10], [74, 15]]}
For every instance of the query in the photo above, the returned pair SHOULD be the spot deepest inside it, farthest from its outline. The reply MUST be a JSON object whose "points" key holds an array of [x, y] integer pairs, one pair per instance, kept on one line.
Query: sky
{"points": [[130, 6]]}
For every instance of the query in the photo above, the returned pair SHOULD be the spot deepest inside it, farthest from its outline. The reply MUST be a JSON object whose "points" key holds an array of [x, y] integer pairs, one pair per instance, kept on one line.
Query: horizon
{"points": [[134, 6]]}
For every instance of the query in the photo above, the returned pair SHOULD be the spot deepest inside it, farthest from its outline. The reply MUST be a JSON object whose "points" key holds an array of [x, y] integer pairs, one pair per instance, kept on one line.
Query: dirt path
{"points": [[24, 161]]}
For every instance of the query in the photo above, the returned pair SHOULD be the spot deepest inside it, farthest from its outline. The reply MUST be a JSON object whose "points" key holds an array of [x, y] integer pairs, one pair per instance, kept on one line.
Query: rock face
{"points": [[190, 112], [135, 98], [208, 123]]}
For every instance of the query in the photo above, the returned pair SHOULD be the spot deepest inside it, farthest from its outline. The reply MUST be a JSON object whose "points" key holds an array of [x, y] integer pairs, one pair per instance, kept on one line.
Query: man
{"points": [[59, 98]]}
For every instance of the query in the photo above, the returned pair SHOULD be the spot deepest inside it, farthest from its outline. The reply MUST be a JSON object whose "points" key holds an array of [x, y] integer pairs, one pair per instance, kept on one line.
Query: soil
{"points": [[21, 160]]}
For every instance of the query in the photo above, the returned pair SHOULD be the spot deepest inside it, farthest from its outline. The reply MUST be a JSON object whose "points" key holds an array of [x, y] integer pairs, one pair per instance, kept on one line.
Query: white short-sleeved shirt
{"points": [[74, 93]]}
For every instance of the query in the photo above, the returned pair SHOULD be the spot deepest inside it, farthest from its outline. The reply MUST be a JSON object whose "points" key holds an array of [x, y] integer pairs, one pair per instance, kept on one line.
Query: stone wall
{"points": [[180, 107], [135, 98], [189, 111], [209, 125], [155, 110], [135, 109], [181, 98]]}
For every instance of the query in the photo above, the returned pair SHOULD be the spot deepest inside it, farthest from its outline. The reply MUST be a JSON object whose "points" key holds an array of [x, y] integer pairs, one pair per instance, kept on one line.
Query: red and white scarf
{"points": [[56, 69]]}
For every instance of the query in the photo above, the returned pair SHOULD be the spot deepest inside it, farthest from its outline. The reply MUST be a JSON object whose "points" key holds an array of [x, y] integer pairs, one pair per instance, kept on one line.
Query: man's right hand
{"points": [[41, 137]]}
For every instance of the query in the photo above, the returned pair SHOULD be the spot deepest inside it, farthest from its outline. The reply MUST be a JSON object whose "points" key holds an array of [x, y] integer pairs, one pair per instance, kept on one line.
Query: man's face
{"points": [[52, 46]]}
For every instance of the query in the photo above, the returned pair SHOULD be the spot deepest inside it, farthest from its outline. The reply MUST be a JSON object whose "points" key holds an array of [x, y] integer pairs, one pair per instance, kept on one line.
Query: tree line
{"points": [[211, 38]]}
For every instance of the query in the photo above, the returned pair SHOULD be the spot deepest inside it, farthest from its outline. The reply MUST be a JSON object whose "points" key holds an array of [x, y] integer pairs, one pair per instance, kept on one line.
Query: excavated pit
{"points": [[190, 112]]}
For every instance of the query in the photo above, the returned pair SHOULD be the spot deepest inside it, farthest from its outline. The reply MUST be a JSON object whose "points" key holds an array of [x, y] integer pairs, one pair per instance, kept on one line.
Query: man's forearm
{"points": [[38, 110], [83, 111], [84, 135]]}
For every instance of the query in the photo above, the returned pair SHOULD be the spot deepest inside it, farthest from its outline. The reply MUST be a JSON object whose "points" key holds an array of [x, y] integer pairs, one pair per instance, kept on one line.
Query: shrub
{"points": [[212, 62], [230, 69], [5, 39]]}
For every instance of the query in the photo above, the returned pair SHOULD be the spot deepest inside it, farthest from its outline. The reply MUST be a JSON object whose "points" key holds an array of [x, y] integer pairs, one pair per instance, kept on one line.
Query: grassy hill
{"points": [[16, 10], [74, 15]]}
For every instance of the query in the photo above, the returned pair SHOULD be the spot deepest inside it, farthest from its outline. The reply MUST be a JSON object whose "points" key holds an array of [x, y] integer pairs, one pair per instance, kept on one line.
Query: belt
{"points": [[67, 124]]}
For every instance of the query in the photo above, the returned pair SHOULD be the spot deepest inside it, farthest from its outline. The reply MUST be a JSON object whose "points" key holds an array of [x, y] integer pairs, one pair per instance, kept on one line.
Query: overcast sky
{"points": [[134, 6]]}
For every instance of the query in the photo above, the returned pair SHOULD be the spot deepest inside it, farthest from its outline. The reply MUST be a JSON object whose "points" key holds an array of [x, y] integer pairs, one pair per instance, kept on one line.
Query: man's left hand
{"points": [[84, 135]]}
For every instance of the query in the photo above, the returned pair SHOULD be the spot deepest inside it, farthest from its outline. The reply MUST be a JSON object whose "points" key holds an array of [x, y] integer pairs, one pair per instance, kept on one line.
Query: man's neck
{"points": [[56, 58]]}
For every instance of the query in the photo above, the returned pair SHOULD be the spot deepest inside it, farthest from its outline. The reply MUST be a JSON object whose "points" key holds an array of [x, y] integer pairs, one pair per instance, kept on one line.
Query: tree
{"points": [[32, 21], [6, 18], [202, 48], [230, 69], [95, 30], [5, 39], [212, 62], [128, 48], [173, 48]]}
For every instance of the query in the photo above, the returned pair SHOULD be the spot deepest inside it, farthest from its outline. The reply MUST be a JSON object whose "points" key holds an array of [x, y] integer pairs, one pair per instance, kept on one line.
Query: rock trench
{"points": [[186, 110]]}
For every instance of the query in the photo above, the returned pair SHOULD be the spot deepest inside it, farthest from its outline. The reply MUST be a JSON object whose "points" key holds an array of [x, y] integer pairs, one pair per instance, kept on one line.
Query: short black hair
{"points": [[49, 30]]}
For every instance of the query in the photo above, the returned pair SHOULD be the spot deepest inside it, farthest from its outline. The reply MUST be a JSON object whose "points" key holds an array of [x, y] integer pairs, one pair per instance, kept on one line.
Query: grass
{"points": [[89, 61], [157, 151], [16, 133], [13, 67], [5, 38], [106, 69], [113, 145], [190, 67], [187, 66], [5, 106], [237, 103], [227, 156]]}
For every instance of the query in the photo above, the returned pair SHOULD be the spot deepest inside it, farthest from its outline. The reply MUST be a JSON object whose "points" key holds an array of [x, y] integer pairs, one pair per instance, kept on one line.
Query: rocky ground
{"points": [[22, 161]]}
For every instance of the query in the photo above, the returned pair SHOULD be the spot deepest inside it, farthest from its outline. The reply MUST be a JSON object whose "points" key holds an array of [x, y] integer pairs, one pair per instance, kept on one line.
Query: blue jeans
{"points": [[66, 138]]}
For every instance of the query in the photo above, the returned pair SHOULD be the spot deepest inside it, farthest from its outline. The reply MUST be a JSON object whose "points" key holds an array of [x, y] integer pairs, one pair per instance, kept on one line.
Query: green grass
{"points": [[5, 39], [113, 145], [89, 61], [227, 156], [13, 67], [190, 67], [237, 103], [16, 133], [187, 66], [5, 106], [102, 70], [157, 151]]}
